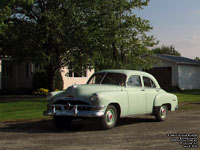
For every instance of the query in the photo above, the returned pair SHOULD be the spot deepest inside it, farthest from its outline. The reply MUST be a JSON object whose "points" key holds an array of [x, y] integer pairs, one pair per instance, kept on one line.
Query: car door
{"points": [[151, 91], [136, 95]]}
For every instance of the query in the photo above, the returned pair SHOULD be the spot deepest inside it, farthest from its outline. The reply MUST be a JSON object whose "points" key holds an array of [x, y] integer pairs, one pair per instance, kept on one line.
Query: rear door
{"points": [[151, 91]]}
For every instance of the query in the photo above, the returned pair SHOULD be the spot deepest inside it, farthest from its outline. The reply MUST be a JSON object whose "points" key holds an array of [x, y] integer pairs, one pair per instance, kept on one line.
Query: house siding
{"points": [[189, 77], [68, 81], [19, 78]]}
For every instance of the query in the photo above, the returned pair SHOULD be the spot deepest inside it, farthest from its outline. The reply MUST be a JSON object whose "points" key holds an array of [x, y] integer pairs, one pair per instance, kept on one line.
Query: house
{"points": [[177, 71], [20, 75], [16, 75], [71, 78], [172, 71]]}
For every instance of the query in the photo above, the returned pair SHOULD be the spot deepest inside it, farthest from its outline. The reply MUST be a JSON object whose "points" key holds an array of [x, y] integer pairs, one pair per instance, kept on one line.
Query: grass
{"points": [[188, 96], [26, 107], [22, 108], [188, 100]]}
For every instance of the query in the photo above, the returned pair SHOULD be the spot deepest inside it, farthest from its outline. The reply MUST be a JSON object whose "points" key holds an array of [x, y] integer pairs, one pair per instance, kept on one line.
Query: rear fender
{"points": [[166, 99]]}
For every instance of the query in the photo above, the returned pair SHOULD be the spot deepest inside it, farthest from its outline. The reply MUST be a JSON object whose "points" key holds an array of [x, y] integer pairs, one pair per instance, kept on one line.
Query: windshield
{"points": [[108, 78]]}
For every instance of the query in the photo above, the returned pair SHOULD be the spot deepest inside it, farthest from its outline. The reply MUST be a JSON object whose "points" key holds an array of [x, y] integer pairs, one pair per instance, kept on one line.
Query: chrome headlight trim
{"points": [[94, 98]]}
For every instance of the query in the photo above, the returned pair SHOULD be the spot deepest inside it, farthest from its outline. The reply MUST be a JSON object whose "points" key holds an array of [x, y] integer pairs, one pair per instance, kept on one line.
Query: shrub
{"points": [[40, 80], [41, 91]]}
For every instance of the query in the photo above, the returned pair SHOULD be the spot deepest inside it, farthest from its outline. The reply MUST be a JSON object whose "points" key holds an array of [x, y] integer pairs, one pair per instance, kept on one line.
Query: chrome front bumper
{"points": [[95, 111]]}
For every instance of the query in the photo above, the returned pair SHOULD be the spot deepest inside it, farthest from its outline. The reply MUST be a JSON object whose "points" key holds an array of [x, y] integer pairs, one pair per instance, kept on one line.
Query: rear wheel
{"points": [[161, 113], [61, 122], [109, 119]]}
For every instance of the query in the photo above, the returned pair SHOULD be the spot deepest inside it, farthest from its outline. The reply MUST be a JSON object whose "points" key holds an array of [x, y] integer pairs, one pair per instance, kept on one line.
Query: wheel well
{"points": [[117, 108], [168, 106]]}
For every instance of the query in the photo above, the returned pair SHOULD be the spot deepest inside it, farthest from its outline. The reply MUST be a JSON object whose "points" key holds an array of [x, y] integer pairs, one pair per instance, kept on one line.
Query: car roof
{"points": [[127, 72], [131, 72]]}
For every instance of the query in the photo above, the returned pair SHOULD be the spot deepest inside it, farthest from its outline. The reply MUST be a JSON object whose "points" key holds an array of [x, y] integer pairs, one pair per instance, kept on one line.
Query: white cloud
{"points": [[187, 44]]}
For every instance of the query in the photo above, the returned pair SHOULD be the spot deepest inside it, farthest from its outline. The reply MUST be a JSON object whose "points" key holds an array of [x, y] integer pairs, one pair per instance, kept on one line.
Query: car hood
{"points": [[86, 90]]}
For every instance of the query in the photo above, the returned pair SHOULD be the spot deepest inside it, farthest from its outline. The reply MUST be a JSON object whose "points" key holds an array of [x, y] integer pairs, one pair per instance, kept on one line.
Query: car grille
{"points": [[77, 102], [69, 105]]}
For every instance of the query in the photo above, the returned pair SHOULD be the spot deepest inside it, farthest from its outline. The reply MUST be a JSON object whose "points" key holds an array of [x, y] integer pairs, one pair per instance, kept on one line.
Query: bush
{"points": [[40, 80], [41, 91]]}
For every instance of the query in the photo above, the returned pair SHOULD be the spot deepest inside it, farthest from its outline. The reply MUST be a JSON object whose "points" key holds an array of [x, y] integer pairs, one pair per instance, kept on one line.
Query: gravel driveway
{"points": [[135, 133]]}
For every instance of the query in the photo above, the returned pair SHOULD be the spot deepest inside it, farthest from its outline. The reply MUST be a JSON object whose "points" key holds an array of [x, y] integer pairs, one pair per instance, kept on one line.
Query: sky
{"points": [[175, 22]]}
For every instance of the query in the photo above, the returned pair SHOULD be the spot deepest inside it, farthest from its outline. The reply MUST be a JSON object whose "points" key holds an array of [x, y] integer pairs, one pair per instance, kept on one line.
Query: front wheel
{"points": [[109, 119], [161, 113]]}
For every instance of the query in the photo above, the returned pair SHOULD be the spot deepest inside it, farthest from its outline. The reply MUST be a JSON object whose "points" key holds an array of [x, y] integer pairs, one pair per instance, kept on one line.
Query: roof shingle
{"points": [[178, 59]]}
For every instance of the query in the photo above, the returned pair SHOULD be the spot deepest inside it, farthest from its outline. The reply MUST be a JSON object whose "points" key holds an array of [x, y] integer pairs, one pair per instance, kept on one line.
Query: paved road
{"points": [[135, 133]]}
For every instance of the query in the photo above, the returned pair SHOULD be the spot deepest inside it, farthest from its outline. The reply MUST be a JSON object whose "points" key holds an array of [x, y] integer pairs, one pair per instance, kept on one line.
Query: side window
{"points": [[148, 82], [134, 81]]}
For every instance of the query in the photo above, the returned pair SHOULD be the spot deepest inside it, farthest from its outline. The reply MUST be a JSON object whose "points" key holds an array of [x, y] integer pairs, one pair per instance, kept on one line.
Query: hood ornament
{"points": [[74, 85]]}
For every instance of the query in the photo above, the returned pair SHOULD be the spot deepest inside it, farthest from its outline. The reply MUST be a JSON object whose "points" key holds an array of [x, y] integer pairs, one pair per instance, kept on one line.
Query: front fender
{"points": [[166, 98], [119, 97]]}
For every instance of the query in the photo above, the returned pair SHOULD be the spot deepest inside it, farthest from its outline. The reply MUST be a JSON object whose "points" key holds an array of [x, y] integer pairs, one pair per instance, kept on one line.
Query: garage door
{"points": [[163, 76]]}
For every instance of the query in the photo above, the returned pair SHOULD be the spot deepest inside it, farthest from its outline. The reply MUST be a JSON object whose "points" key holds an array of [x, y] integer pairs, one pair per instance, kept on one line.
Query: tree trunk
{"points": [[115, 55], [51, 73]]}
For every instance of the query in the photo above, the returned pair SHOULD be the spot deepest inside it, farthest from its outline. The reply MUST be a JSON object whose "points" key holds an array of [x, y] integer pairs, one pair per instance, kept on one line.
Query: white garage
{"points": [[185, 72]]}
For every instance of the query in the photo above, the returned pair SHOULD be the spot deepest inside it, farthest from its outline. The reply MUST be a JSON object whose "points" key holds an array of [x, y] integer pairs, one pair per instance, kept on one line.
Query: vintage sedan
{"points": [[109, 95]]}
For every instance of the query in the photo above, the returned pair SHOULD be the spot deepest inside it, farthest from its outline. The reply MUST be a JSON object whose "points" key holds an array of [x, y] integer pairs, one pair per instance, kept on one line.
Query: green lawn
{"points": [[21, 108], [188, 96], [30, 108]]}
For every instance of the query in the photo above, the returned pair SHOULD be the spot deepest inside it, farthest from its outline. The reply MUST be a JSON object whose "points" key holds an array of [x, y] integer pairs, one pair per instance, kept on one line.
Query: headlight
{"points": [[94, 98]]}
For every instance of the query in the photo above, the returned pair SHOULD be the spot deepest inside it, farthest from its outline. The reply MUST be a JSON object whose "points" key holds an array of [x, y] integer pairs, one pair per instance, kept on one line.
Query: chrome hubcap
{"points": [[110, 117], [163, 112]]}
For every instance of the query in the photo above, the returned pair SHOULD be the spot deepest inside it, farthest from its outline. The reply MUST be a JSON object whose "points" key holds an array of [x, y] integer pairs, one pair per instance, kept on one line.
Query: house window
{"points": [[29, 69], [7, 70], [76, 73]]}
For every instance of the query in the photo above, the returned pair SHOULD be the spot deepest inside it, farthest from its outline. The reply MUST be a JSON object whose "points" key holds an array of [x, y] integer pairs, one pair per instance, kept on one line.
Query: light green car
{"points": [[109, 95]]}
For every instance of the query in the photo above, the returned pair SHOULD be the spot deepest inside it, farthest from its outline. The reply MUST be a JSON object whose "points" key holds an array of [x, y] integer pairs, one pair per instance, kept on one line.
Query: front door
{"points": [[136, 95]]}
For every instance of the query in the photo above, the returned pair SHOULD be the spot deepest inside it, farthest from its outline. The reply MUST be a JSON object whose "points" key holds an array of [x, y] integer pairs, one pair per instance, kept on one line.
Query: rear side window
{"points": [[148, 82], [134, 81]]}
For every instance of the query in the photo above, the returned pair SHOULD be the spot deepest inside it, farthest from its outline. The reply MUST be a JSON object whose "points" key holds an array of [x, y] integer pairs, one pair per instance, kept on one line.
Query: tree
{"points": [[81, 34], [170, 50], [120, 35], [197, 59], [6, 11], [46, 32]]}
